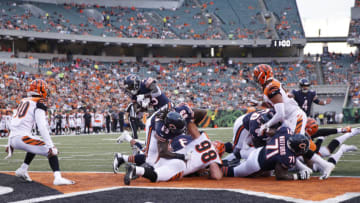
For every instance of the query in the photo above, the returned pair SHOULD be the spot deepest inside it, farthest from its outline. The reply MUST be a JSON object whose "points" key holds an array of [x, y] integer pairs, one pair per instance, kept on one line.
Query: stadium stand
{"points": [[203, 19]]}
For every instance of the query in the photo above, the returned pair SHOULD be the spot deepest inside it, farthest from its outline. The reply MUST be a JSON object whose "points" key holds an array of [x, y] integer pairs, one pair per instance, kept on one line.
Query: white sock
{"points": [[126, 158], [320, 161], [336, 156], [344, 137], [300, 165], [24, 166], [57, 174], [339, 130], [324, 151], [140, 171]]}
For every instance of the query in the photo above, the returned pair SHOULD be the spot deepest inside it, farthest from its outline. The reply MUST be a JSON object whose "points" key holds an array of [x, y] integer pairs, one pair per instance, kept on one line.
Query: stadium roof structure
{"points": [[115, 40]]}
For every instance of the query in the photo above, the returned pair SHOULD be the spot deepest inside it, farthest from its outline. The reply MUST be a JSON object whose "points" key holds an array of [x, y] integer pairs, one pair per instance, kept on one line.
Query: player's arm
{"points": [[281, 173], [40, 118], [321, 102], [215, 171], [193, 130], [165, 153]]}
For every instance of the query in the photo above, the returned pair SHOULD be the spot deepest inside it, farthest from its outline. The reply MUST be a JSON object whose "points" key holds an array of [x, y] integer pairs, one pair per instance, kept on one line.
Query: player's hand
{"points": [[263, 129], [304, 175], [188, 155], [328, 100], [145, 103], [53, 151]]}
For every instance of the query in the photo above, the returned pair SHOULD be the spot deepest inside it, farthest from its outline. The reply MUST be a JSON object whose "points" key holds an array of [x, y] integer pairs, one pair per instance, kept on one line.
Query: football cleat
{"points": [[130, 173], [355, 131], [118, 160], [63, 181], [327, 171], [23, 174], [125, 136], [348, 148], [346, 129]]}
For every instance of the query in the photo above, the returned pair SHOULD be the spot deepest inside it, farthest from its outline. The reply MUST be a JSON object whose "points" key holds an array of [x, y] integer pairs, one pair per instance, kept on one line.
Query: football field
{"points": [[94, 153]]}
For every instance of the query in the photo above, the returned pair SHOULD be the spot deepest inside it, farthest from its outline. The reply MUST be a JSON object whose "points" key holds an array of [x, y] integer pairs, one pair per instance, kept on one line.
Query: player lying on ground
{"points": [[328, 151], [152, 131], [278, 154], [30, 111], [203, 154]]}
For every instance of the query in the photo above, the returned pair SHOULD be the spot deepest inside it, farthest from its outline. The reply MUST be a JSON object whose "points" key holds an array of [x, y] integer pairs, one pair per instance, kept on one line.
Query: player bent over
{"points": [[204, 153], [32, 111]]}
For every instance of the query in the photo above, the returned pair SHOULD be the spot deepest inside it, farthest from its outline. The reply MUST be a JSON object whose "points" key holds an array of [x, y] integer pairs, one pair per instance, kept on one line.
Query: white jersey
{"points": [[64, 122], [78, 120], [98, 120], [7, 121], [2, 123], [290, 104], [24, 119], [72, 121], [203, 154], [295, 117]]}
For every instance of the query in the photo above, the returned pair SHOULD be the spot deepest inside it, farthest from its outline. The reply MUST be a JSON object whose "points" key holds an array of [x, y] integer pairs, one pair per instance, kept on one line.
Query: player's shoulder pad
{"points": [[312, 91], [149, 81], [41, 105], [272, 88]]}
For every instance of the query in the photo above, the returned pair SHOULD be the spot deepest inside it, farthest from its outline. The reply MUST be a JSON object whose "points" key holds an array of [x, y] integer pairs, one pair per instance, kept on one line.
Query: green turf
{"points": [[95, 153]]}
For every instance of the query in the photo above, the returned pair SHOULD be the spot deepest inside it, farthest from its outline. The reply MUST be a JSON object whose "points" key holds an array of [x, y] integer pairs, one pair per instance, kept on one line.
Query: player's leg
{"points": [[120, 159], [34, 145], [327, 151], [250, 166]]}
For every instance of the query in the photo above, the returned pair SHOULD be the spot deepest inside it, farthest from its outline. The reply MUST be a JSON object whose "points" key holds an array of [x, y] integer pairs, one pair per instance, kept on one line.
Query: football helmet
{"points": [[175, 123], [311, 127], [263, 73], [132, 84], [304, 85], [38, 88], [298, 143], [219, 146]]}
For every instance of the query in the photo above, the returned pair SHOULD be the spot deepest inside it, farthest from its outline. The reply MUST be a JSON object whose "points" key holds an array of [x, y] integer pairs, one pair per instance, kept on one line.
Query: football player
{"points": [[287, 110], [203, 155], [191, 118], [278, 154], [245, 134], [143, 94], [30, 111], [305, 97]]}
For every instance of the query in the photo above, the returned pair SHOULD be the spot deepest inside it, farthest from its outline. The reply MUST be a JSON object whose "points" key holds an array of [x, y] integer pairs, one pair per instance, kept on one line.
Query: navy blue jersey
{"points": [[304, 100], [180, 142], [186, 112], [277, 151], [158, 101], [246, 120], [256, 120]]}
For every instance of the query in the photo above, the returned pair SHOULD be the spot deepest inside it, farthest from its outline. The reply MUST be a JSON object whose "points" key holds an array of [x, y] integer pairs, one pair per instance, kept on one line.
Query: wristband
{"points": [[295, 176]]}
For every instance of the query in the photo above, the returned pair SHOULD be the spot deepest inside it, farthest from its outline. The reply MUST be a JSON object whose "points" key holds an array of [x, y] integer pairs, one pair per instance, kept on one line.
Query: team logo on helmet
{"points": [[263, 73], [311, 127]]}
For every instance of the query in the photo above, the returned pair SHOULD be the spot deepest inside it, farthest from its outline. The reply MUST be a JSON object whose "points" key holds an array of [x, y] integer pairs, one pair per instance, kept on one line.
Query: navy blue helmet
{"points": [[132, 84], [299, 144], [304, 85], [175, 123]]}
